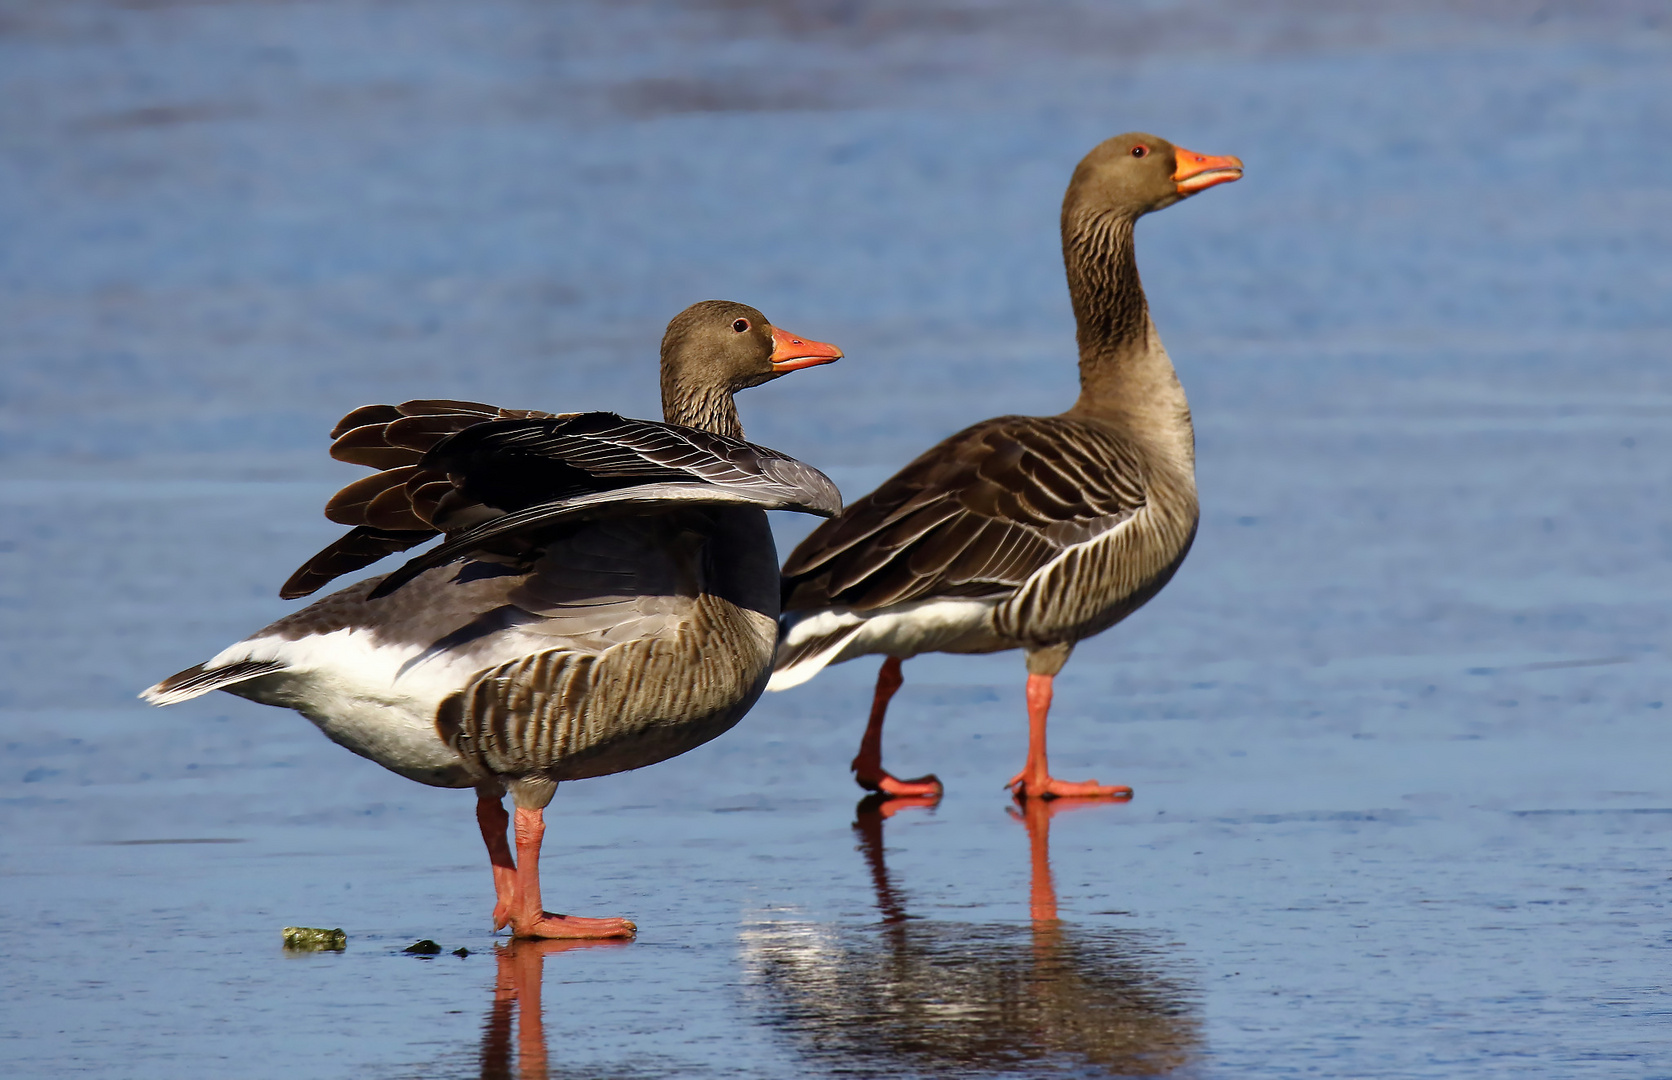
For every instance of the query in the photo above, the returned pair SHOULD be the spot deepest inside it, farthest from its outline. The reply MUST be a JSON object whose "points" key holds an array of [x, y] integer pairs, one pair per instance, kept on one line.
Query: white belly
{"points": [[378, 699]]}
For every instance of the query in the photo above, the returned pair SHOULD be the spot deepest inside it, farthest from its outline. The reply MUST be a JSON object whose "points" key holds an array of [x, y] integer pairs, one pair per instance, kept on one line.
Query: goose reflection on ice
{"points": [[516, 994], [913, 997]]}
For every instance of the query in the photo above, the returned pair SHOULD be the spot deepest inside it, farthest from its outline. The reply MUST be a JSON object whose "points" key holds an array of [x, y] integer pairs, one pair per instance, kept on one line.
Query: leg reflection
{"points": [[1036, 814], [1042, 891], [868, 817], [911, 995], [517, 992]]}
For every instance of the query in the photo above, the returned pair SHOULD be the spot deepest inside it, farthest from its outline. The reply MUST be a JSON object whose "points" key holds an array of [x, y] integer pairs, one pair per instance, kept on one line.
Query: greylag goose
{"points": [[605, 597], [1024, 532]]}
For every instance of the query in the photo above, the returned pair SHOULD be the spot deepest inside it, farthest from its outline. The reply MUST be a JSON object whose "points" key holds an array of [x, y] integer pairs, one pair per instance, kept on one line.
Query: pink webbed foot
{"points": [[572, 927], [885, 783], [529, 918], [505, 895], [1035, 780], [867, 764], [1052, 788]]}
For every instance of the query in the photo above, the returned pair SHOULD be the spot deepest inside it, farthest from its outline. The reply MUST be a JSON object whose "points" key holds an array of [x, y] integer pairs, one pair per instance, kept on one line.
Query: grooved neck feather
{"points": [[706, 406], [1125, 373], [1114, 331]]}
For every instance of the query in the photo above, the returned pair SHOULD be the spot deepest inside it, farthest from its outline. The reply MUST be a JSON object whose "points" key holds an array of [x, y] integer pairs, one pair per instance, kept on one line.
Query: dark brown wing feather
{"points": [[535, 474], [974, 516], [400, 506], [490, 478], [358, 549]]}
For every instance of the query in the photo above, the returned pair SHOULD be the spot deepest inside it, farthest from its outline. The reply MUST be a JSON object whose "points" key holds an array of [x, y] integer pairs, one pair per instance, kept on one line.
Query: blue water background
{"points": [[1398, 728]]}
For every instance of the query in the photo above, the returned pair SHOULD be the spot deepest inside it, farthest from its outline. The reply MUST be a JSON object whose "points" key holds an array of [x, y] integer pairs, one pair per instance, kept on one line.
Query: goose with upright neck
{"points": [[1024, 532], [605, 596]]}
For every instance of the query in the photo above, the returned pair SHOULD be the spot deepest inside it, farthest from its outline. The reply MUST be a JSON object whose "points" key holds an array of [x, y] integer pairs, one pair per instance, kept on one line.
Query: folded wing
{"points": [[975, 516]]}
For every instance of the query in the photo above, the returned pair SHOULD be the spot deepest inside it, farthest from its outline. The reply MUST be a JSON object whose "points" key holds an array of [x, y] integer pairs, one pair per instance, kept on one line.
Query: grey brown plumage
{"points": [[1025, 532], [604, 597], [391, 439], [975, 516]]}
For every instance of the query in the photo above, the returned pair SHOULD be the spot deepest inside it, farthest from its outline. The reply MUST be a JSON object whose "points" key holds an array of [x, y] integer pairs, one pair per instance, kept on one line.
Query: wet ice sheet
{"points": [[1397, 729]]}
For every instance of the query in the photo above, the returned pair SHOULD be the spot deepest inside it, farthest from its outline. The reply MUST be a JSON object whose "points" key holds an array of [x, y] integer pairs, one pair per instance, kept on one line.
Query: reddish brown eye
{"points": [[1140, 150], [740, 325]]}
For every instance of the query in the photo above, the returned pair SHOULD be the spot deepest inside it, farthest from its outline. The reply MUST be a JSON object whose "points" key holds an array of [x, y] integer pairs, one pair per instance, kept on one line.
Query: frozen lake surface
{"points": [[1398, 729]]}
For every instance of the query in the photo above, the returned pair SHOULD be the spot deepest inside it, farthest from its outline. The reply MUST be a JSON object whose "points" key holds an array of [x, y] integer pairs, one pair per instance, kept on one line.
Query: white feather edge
{"points": [[904, 631]]}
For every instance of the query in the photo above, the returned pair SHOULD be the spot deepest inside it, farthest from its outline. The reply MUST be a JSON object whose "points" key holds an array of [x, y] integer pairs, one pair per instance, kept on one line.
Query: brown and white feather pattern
{"points": [[1016, 532], [577, 639], [624, 642], [569, 715], [525, 477]]}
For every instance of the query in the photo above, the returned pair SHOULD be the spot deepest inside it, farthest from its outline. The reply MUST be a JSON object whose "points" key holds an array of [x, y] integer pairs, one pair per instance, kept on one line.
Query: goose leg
{"points": [[492, 819], [529, 919], [867, 764], [1035, 780]]}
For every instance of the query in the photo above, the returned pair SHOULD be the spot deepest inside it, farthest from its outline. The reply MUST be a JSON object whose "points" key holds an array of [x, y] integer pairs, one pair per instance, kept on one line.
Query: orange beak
{"points": [[1198, 172], [791, 353]]}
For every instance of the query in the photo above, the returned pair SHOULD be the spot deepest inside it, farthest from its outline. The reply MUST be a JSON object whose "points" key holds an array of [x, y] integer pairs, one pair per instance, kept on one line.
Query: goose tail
{"points": [[199, 680], [808, 641]]}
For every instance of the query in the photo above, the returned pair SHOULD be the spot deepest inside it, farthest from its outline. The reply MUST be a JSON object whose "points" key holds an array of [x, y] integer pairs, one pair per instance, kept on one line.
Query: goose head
{"points": [[715, 348], [1134, 174]]}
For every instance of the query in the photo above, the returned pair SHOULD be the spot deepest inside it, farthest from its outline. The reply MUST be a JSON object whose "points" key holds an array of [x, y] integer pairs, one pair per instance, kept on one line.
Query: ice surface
{"points": [[1396, 729]]}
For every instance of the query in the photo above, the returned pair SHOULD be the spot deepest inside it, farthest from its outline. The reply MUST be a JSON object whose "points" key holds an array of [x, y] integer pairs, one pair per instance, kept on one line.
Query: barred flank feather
{"points": [[572, 715]]}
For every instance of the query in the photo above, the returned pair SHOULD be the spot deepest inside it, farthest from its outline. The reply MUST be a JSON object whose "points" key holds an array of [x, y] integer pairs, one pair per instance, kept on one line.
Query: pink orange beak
{"points": [[1198, 172], [791, 353]]}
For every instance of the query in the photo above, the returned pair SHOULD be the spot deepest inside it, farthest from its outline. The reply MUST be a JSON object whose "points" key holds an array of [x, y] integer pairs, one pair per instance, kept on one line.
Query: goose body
{"points": [[605, 596], [478, 669], [1024, 532], [1011, 534]]}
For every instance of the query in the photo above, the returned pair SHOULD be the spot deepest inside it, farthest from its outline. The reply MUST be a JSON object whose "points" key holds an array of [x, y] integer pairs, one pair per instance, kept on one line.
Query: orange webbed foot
{"points": [[551, 925], [1051, 788], [505, 896], [919, 787], [886, 783]]}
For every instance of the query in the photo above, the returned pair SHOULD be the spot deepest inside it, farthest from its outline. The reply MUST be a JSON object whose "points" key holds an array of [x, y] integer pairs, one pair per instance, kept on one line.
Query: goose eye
{"points": [[1140, 150], [740, 325]]}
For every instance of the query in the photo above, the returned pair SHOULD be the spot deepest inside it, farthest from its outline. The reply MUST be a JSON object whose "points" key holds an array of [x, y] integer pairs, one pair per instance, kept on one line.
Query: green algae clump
{"points": [[310, 939]]}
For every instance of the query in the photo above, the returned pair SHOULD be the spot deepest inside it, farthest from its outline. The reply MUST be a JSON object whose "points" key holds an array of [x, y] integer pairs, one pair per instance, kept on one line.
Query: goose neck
{"points": [[1114, 330], [1126, 376], [710, 408]]}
